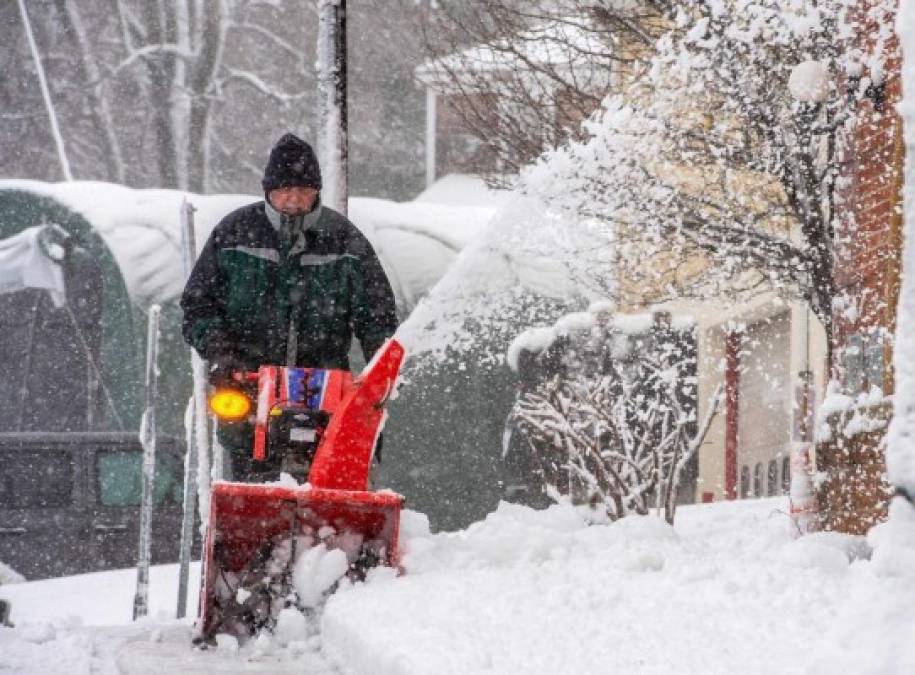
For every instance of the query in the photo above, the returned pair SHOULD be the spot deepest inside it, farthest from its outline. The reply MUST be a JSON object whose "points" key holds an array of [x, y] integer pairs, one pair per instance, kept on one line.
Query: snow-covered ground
{"points": [[729, 589]]}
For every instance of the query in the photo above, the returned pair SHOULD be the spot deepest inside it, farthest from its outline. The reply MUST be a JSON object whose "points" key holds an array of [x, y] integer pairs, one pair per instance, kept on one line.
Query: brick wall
{"points": [[868, 248], [869, 233]]}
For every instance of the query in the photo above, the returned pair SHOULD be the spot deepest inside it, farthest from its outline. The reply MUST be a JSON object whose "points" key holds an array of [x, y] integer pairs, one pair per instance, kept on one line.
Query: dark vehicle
{"points": [[70, 502]]}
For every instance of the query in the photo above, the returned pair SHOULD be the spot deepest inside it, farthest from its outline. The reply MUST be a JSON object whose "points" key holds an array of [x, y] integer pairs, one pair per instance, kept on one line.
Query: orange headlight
{"points": [[230, 404]]}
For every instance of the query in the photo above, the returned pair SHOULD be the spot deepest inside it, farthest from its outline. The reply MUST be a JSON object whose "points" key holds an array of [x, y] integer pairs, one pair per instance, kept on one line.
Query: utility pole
{"points": [[334, 145]]}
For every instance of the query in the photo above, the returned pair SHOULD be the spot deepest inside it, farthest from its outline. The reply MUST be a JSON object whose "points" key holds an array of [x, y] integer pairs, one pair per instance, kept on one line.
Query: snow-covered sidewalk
{"points": [[728, 590]]}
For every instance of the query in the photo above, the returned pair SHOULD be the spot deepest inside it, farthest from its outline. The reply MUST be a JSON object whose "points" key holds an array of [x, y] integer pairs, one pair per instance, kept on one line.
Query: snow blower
{"points": [[311, 423]]}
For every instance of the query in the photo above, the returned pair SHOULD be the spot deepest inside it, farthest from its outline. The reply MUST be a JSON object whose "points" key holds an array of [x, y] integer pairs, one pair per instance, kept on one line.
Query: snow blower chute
{"points": [[314, 423]]}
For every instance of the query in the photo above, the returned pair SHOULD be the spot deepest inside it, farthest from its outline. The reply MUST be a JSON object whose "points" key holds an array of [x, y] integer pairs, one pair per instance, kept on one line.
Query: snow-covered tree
{"points": [[724, 154], [523, 75], [715, 170]]}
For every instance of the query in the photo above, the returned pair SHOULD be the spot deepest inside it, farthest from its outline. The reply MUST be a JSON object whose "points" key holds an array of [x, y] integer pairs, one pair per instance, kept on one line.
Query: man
{"points": [[286, 281]]}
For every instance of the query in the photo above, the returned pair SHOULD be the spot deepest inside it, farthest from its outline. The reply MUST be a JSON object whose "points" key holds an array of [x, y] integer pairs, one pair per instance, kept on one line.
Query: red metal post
{"points": [[732, 400]]}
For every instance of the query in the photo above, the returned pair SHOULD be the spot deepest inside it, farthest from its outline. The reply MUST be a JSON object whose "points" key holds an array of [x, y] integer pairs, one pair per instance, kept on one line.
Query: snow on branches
{"points": [[716, 165], [608, 415], [701, 176]]}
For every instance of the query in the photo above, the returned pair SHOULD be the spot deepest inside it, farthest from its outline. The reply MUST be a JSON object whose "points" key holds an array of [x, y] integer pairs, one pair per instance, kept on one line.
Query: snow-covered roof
{"points": [[141, 227], [416, 241]]}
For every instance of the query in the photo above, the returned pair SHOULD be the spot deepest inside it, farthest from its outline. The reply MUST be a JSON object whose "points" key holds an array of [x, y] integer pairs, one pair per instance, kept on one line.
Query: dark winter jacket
{"points": [[263, 292]]}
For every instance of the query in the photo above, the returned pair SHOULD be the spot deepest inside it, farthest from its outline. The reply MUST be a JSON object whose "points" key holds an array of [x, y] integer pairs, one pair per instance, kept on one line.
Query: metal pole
{"points": [[27, 370], [46, 94], [188, 254], [332, 97], [431, 115], [202, 437], [732, 342], [148, 440]]}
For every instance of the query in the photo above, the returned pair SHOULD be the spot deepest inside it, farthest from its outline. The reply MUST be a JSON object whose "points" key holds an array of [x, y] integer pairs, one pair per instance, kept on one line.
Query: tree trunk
{"points": [[100, 110], [160, 23], [211, 41]]}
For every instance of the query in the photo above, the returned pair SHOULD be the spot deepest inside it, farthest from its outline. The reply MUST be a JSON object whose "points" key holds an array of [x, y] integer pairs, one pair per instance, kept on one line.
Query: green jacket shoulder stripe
{"points": [[270, 254], [314, 259]]}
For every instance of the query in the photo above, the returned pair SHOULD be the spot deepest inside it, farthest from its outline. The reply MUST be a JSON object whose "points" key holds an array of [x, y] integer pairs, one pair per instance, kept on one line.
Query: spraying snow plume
{"points": [[532, 262]]}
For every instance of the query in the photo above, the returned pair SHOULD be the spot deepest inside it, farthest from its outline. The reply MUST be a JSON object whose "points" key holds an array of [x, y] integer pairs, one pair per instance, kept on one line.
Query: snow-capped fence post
{"points": [[188, 255], [148, 441], [332, 98]]}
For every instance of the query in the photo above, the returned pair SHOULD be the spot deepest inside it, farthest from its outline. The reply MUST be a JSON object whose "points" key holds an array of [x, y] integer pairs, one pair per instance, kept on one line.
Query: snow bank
{"points": [[873, 628], [729, 589], [9, 576], [52, 648], [100, 598], [542, 592]]}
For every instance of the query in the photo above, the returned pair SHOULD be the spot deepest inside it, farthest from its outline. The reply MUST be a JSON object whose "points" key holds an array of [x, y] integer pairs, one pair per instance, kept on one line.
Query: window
{"points": [[120, 482], [744, 482], [873, 360], [854, 363], [36, 479], [757, 480], [786, 475], [772, 479]]}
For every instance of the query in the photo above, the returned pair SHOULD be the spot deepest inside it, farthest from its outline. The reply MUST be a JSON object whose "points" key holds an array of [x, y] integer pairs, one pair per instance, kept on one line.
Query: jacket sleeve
{"points": [[374, 311], [204, 326]]}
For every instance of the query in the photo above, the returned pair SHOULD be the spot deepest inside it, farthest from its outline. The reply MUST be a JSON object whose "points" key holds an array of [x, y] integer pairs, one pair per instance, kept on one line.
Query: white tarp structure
{"points": [[416, 241], [25, 263]]}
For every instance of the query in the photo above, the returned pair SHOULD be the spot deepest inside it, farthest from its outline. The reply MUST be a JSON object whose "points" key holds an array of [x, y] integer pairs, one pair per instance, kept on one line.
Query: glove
{"points": [[222, 367], [216, 342]]}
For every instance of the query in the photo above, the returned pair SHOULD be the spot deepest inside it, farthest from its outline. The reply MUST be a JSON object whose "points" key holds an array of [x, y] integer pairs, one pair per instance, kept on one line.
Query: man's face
{"points": [[293, 201]]}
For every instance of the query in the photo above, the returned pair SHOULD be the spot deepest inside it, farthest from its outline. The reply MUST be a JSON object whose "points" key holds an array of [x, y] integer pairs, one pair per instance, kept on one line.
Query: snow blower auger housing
{"points": [[329, 424]]}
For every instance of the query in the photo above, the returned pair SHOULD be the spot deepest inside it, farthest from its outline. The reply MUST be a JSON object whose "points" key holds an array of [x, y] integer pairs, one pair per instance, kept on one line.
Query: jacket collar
{"points": [[301, 223]]}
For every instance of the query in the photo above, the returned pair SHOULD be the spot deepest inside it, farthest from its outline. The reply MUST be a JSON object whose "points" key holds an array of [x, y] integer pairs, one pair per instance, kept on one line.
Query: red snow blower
{"points": [[318, 424]]}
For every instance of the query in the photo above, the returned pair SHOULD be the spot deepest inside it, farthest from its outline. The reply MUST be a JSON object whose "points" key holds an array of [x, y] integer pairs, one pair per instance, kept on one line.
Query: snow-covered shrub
{"points": [[608, 414]]}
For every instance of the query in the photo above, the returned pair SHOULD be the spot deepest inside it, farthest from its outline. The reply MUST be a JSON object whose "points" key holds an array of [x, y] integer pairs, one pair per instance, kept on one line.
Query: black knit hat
{"points": [[292, 163]]}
